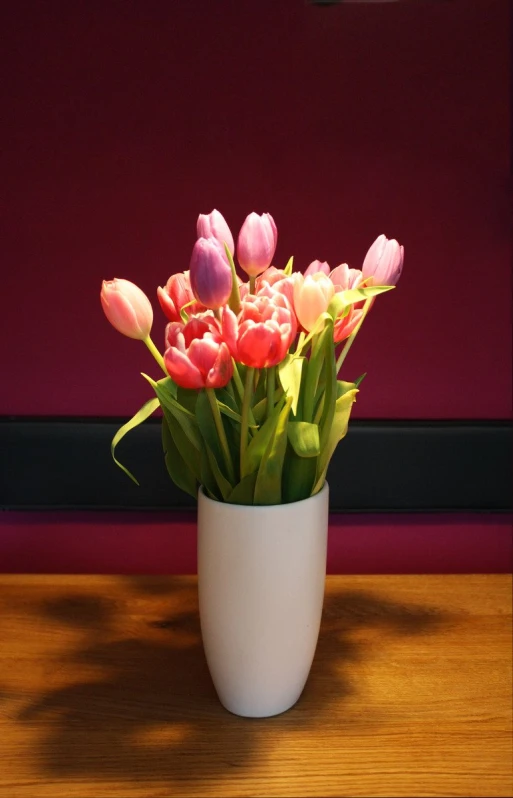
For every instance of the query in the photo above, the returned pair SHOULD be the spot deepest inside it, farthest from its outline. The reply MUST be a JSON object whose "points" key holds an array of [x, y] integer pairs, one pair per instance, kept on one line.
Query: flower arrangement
{"points": [[252, 405]]}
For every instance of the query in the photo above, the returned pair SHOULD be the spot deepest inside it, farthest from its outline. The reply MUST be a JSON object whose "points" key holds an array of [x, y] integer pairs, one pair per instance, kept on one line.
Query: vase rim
{"points": [[262, 507]]}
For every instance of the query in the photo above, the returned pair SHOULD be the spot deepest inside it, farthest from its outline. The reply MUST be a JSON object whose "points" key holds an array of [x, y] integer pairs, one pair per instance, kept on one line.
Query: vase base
{"points": [[256, 711]]}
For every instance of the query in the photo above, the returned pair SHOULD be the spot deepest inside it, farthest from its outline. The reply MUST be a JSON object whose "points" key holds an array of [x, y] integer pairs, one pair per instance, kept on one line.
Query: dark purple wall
{"points": [[123, 120]]}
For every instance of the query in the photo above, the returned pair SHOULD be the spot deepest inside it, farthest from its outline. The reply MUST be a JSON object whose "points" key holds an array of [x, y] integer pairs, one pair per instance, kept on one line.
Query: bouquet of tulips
{"points": [[252, 405]]}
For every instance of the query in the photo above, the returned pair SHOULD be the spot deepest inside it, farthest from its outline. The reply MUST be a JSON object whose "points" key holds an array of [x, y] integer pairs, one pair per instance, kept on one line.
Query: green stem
{"points": [[240, 390], [347, 347], [252, 281], [246, 406], [221, 433], [156, 354], [312, 378], [271, 383]]}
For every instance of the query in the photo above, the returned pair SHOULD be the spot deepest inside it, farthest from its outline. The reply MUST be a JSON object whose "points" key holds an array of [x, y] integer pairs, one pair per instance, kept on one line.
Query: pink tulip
{"points": [[343, 328], [256, 244], [213, 225], [312, 295], [316, 266], [260, 336], [127, 308], [384, 261], [210, 273], [176, 294], [344, 278], [196, 357]]}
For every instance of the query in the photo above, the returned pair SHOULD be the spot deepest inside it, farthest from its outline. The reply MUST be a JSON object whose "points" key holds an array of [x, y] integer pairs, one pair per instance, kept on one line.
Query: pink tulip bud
{"points": [[260, 336], [196, 356], [312, 295], [213, 225], [256, 244], [127, 308], [317, 266], [210, 273], [176, 294], [384, 261]]}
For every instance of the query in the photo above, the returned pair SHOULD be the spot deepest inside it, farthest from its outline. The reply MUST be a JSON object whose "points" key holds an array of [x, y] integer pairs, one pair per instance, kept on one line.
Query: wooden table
{"points": [[104, 691]]}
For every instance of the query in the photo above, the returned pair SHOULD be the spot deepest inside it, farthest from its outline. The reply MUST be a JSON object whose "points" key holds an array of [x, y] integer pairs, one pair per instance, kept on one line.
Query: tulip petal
{"points": [[181, 370]]}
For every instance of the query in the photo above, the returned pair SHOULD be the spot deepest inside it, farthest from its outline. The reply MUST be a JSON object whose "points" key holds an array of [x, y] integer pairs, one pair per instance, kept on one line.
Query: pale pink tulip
{"points": [[176, 294], [210, 273], [260, 336], [384, 261], [256, 244], [312, 295], [344, 278], [317, 266], [127, 308], [214, 225], [196, 357]]}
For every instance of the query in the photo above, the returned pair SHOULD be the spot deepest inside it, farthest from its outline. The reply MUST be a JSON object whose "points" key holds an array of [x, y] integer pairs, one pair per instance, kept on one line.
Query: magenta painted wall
{"points": [[123, 120], [154, 543]]}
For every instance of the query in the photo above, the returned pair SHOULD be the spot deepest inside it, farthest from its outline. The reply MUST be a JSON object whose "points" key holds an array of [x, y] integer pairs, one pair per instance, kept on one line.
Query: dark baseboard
{"points": [[381, 466]]}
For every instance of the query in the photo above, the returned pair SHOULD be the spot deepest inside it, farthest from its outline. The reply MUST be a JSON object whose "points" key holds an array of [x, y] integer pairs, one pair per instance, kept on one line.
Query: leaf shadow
{"points": [[147, 708]]}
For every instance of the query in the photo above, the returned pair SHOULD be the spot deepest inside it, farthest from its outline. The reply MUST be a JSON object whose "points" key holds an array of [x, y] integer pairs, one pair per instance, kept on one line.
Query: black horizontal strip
{"points": [[381, 466]]}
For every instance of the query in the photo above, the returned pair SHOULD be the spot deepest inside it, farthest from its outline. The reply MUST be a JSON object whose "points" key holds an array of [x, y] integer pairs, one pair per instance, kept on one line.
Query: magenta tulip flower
{"points": [[196, 357], [210, 273], [176, 294], [127, 308], [256, 244], [384, 261], [260, 336], [213, 225]]}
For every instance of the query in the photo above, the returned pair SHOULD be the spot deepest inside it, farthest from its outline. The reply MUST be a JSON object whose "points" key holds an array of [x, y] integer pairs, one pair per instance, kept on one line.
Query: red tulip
{"points": [[176, 294], [343, 328], [256, 244], [213, 225], [210, 273], [196, 357], [260, 336], [344, 278], [127, 308], [384, 261]]}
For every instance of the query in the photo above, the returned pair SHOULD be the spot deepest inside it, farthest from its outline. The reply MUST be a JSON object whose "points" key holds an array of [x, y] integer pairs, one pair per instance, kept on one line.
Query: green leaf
{"points": [[243, 493], [224, 486], [145, 412], [178, 469], [234, 298], [209, 433], [289, 372], [288, 267], [344, 387], [258, 444], [182, 415], [304, 438], [187, 398], [330, 378], [208, 480], [337, 431], [269, 477], [260, 409], [189, 455], [298, 476], [360, 380]]}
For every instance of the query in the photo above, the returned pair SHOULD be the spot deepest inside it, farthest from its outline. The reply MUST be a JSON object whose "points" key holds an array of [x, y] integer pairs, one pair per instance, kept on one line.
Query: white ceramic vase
{"points": [[261, 576]]}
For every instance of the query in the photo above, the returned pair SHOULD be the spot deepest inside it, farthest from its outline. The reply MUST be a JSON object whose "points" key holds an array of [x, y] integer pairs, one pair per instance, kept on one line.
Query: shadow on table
{"points": [[145, 707]]}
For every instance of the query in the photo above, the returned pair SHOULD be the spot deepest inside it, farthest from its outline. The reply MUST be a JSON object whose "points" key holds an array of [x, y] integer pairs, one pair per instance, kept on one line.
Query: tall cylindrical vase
{"points": [[261, 575]]}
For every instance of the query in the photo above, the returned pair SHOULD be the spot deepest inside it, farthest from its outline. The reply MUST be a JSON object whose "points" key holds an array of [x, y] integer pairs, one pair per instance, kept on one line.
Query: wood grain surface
{"points": [[104, 691]]}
